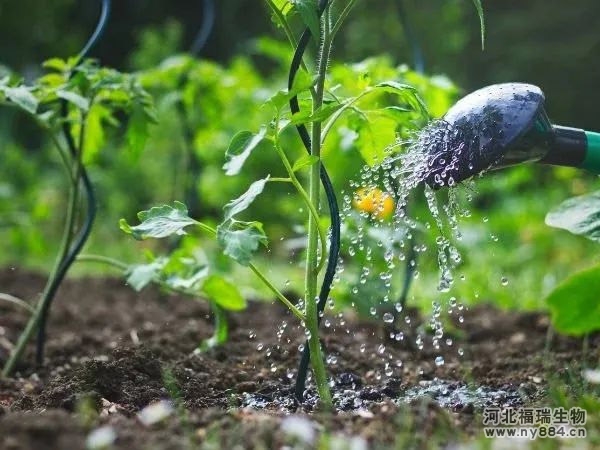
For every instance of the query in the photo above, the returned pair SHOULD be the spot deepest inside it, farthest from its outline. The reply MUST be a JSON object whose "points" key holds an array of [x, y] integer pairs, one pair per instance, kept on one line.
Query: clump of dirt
{"points": [[112, 351]]}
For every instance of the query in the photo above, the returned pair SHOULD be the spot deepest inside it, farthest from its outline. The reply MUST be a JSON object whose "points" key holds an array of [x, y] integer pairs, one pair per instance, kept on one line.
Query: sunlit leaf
{"points": [[240, 148], [160, 222], [80, 102], [223, 293], [575, 303], [304, 161], [137, 130], [22, 97], [241, 203], [579, 215]]}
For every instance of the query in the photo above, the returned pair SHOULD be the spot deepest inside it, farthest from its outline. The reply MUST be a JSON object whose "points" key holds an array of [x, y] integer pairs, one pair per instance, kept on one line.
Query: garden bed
{"points": [[109, 349]]}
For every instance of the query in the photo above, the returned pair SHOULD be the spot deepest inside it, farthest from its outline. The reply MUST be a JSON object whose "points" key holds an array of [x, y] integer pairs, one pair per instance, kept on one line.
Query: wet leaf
{"points": [[223, 293], [575, 303], [240, 240], [240, 148], [160, 222], [579, 215], [240, 204]]}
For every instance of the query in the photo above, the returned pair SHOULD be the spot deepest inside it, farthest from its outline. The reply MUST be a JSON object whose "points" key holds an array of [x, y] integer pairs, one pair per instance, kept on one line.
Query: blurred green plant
{"points": [[72, 104], [575, 303]]}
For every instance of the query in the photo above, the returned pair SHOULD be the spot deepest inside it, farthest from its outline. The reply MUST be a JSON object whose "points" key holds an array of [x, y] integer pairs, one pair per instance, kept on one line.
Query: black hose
{"points": [[334, 212], [208, 22], [86, 228]]}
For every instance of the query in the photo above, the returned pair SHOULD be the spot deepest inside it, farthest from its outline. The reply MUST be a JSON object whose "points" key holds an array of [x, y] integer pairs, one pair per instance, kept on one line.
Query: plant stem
{"points": [[311, 278], [307, 201], [119, 265], [221, 329]]}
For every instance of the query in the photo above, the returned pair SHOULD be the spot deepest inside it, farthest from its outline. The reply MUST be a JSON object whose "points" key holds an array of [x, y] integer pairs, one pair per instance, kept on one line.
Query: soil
{"points": [[112, 351]]}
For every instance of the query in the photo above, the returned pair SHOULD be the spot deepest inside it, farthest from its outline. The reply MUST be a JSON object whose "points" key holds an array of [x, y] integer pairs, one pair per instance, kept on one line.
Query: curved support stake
{"points": [[86, 228]]}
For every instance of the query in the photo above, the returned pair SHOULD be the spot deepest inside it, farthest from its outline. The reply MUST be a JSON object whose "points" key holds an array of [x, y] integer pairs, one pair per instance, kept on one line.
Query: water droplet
{"points": [[439, 361], [388, 317]]}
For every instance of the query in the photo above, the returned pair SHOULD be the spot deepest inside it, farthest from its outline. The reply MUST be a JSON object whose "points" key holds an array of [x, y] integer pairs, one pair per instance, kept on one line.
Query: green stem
{"points": [[307, 201], [311, 278], [119, 265], [220, 332], [16, 301]]}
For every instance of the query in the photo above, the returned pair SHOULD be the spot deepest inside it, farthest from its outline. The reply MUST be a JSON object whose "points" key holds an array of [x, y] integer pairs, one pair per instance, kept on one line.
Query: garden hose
{"points": [[413, 42], [208, 22], [192, 166], [334, 212], [86, 228]]}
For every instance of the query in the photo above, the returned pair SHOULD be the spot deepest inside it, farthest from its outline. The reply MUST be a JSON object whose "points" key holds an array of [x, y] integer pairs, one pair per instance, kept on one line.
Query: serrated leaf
{"points": [[240, 240], [241, 203], [22, 97], [304, 161], [240, 147], [479, 9], [579, 215], [141, 275], [80, 102], [160, 222], [309, 11], [575, 303], [223, 293]]}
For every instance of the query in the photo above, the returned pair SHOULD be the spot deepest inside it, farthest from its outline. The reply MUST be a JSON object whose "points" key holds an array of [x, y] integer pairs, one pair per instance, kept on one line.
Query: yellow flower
{"points": [[375, 202]]}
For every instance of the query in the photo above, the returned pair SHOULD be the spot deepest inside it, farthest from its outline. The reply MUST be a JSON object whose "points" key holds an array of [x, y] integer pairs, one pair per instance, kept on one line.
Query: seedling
{"points": [[240, 238], [73, 104]]}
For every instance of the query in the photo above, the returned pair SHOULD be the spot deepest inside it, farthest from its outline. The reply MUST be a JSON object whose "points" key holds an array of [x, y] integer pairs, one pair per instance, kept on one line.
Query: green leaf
{"points": [[60, 65], [160, 222], [242, 144], [80, 102], [223, 293], [241, 203], [320, 115], [479, 9], [141, 275], [240, 240], [575, 303], [304, 161], [303, 82], [579, 215], [309, 11], [137, 130], [22, 97]]}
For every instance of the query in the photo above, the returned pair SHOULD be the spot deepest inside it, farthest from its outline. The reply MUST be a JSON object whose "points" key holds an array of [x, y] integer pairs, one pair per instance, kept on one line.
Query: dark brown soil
{"points": [[110, 349]]}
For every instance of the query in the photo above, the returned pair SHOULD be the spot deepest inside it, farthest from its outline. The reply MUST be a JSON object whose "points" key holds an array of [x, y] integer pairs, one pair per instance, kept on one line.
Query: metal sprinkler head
{"points": [[503, 125]]}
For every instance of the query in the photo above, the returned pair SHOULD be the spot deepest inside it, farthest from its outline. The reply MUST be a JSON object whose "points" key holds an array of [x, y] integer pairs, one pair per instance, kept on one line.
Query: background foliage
{"points": [[505, 237]]}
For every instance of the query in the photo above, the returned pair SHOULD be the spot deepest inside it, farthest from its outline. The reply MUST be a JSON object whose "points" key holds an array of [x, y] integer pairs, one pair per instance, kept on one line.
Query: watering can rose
{"points": [[375, 202]]}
